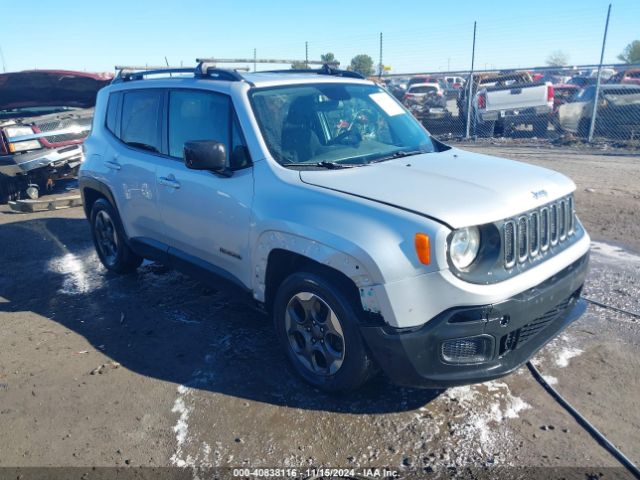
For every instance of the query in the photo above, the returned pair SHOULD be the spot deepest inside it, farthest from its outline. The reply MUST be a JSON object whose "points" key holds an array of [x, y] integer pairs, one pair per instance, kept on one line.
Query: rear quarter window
{"points": [[113, 107], [140, 123]]}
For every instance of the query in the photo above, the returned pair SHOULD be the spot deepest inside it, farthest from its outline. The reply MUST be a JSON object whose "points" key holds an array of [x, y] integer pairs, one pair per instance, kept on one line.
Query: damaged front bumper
{"points": [[63, 158], [466, 345]]}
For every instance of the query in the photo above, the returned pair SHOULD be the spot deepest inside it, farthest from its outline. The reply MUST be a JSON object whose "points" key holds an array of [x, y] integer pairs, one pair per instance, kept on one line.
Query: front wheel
{"points": [[317, 326], [109, 239]]}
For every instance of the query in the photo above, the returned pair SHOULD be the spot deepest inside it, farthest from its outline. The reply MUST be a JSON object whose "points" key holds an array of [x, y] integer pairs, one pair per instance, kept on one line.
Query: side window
{"points": [[239, 151], [141, 119], [112, 112], [195, 115]]}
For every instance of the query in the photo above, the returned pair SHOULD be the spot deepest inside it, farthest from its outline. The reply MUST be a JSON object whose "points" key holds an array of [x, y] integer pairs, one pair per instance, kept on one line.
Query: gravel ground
{"points": [[158, 370]]}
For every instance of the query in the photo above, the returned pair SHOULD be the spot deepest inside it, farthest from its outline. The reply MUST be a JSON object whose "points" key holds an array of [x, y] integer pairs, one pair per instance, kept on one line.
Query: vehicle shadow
{"points": [[164, 325]]}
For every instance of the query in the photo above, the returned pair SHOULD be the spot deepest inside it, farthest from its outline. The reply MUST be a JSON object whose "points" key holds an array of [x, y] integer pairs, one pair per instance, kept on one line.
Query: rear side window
{"points": [[141, 119], [112, 112]]}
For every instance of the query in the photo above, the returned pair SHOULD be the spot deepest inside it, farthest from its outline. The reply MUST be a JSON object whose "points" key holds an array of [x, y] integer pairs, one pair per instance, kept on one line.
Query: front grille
{"points": [[527, 236], [517, 338], [56, 125]]}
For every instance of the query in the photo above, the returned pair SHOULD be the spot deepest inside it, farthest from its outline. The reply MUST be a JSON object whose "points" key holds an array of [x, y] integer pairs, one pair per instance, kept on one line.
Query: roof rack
{"points": [[327, 68], [324, 70], [264, 60], [132, 72], [207, 68]]}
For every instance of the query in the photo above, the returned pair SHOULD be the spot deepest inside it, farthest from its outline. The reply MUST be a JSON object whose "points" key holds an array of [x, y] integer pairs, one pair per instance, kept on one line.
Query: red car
{"points": [[44, 117], [631, 76]]}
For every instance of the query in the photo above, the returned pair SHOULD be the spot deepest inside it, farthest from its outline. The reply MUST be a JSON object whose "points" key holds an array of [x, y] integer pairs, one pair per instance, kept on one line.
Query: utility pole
{"points": [[306, 54], [470, 92], [254, 59], [594, 113], [381, 66], [4, 68], [448, 64]]}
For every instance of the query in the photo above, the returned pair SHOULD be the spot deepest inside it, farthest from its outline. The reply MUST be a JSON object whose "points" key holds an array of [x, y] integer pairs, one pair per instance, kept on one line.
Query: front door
{"points": [[206, 216]]}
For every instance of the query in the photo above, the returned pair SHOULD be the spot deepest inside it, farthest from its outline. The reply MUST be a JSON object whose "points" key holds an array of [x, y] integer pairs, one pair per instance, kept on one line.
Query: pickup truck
{"points": [[45, 115], [500, 103]]}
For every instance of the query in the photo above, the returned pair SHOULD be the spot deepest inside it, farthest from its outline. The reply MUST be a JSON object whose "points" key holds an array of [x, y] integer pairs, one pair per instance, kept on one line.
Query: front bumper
{"points": [[25, 163], [517, 328]]}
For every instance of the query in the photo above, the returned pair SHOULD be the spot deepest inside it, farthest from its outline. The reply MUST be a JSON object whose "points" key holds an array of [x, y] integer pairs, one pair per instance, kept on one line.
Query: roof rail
{"points": [[264, 60], [127, 73], [207, 69], [324, 70]]}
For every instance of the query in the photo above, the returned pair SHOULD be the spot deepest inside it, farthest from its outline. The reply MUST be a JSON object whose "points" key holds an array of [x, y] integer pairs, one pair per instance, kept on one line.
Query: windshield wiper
{"points": [[333, 165], [323, 164], [398, 154]]}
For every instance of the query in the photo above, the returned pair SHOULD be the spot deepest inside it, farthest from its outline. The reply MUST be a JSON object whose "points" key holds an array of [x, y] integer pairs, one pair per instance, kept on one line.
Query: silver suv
{"points": [[316, 193]]}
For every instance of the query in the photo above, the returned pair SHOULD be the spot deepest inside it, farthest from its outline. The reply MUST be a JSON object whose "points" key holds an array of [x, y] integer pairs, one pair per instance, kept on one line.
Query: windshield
{"points": [[336, 123]]}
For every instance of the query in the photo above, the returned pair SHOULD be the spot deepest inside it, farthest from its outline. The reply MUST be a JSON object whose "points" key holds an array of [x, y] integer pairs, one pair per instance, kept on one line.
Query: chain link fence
{"points": [[541, 103]]}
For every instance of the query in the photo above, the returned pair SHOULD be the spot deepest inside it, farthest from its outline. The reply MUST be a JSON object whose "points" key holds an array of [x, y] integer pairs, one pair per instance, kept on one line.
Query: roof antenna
{"points": [[167, 62]]}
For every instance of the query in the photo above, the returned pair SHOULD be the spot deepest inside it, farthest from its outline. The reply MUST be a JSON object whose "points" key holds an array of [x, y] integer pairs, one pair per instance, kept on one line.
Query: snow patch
{"points": [[550, 380], [566, 354], [614, 253]]}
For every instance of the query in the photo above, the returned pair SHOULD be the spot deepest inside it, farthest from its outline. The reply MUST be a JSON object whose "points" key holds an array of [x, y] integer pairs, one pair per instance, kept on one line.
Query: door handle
{"points": [[169, 181], [112, 164]]}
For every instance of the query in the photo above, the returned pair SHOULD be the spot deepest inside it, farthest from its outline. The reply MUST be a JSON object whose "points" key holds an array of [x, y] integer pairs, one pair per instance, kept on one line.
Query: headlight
{"points": [[26, 145], [464, 246], [17, 131]]}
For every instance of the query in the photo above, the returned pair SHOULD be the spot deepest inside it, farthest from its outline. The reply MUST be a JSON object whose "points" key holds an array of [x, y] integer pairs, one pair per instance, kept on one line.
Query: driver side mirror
{"points": [[206, 155]]}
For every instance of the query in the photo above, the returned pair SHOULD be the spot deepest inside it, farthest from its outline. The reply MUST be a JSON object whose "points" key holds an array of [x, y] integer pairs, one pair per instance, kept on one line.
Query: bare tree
{"points": [[558, 58]]}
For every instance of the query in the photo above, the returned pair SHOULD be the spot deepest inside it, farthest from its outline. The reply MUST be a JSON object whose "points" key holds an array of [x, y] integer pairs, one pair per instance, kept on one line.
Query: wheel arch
{"points": [[91, 190], [280, 254]]}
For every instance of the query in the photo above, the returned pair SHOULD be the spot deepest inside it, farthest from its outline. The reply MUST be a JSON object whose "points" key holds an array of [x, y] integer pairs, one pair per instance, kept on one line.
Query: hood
{"points": [[45, 88], [455, 187]]}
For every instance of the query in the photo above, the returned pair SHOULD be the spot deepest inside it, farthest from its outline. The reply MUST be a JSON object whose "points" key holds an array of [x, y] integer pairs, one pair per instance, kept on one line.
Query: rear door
{"points": [[132, 159], [206, 216]]}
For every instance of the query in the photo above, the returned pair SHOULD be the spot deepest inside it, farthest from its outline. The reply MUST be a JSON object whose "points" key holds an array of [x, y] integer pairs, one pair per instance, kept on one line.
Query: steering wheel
{"points": [[348, 133]]}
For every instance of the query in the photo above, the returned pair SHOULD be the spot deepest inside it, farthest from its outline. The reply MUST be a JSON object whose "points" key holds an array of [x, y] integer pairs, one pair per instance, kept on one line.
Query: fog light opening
{"points": [[467, 350]]}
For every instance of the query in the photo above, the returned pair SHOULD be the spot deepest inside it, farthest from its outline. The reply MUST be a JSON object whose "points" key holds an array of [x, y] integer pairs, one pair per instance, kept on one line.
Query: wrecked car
{"points": [[45, 115], [325, 203]]}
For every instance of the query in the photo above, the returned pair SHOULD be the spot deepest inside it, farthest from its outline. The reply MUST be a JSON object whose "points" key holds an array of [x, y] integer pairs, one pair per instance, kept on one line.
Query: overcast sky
{"points": [[417, 35]]}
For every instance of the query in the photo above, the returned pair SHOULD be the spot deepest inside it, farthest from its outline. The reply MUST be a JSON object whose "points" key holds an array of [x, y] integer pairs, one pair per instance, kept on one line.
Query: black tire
{"points": [[118, 257], [9, 189], [583, 128], [4, 191], [540, 128], [485, 129], [356, 366]]}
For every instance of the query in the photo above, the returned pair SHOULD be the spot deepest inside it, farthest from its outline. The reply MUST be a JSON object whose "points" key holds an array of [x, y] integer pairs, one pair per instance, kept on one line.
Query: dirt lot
{"points": [[156, 369]]}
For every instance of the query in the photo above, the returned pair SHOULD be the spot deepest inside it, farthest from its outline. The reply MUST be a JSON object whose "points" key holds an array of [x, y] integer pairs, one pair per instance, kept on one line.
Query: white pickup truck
{"points": [[500, 103]]}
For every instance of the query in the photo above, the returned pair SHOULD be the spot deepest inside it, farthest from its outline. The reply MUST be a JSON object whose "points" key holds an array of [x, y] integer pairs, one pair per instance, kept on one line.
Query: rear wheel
{"points": [[540, 128], [317, 326], [109, 239]]}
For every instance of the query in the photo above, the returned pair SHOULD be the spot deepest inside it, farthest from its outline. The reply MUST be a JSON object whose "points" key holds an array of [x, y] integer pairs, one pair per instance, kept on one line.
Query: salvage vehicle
{"points": [[500, 103], [618, 112], [631, 76], [44, 117], [371, 244], [426, 101], [418, 91], [562, 94]]}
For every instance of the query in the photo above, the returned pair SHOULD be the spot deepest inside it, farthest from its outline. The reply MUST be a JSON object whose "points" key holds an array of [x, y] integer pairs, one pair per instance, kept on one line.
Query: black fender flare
{"points": [[93, 184]]}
